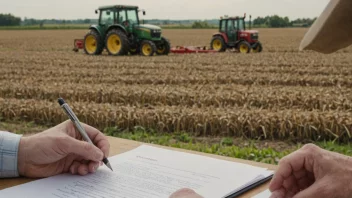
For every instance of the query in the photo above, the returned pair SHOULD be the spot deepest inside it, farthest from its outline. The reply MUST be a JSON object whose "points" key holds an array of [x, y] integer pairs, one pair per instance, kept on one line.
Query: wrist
{"points": [[21, 159]]}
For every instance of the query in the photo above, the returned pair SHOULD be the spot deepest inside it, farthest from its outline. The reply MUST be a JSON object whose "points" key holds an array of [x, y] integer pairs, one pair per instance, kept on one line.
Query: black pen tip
{"points": [[61, 101]]}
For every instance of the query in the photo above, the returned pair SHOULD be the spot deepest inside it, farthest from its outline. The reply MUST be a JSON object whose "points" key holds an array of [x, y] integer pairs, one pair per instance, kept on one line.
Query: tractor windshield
{"points": [[132, 16], [106, 17], [241, 24]]}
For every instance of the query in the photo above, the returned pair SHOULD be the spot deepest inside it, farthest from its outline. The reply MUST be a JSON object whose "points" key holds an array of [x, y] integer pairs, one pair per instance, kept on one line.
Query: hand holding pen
{"points": [[78, 126], [60, 149]]}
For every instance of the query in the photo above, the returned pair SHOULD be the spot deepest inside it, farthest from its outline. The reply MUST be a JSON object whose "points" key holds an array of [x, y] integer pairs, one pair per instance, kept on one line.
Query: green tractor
{"points": [[119, 31], [233, 34]]}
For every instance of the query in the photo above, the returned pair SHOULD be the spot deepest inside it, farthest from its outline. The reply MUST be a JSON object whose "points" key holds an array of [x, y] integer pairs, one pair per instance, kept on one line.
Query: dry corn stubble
{"points": [[280, 93]]}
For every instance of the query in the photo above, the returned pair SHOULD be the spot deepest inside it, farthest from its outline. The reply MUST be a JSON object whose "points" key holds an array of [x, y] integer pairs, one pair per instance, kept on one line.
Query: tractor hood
{"points": [[249, 34], [249, 31], [150, 27]]}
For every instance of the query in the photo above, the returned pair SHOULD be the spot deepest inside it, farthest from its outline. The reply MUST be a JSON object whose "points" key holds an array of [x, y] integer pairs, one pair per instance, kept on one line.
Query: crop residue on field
{"points": [[280, 93]]}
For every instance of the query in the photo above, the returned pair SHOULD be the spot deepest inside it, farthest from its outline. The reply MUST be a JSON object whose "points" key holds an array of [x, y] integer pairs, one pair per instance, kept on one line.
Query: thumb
{"points": [[318, 189], [81, 148]]}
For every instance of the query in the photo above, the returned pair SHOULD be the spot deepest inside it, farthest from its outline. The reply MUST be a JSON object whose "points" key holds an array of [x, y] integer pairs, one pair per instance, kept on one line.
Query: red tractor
{"points": [[233, 34]]}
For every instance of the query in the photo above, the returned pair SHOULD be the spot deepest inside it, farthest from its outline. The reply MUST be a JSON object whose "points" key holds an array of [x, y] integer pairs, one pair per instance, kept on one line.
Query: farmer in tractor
{"points": [[308, 172]]}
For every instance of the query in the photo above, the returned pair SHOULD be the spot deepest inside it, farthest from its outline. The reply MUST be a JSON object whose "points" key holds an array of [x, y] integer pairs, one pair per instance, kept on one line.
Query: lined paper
{"points": [[145, 172]]}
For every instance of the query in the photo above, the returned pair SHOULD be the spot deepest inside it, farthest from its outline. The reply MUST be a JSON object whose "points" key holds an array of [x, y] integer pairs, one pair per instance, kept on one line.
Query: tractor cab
{"points": [[127, 16], [233, 34]]}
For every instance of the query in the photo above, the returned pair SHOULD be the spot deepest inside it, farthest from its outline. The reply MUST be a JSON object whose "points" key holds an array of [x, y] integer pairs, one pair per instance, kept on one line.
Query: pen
{"points": [[250, 187], [78, 126]]}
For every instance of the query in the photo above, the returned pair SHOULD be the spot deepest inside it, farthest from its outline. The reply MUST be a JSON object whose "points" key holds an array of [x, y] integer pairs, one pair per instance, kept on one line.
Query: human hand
{"points": [[61, 150], [313, 172], [185, 193]]}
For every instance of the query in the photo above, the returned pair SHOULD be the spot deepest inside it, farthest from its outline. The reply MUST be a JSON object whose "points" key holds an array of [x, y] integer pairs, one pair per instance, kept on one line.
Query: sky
{"points": [[165, 9]]}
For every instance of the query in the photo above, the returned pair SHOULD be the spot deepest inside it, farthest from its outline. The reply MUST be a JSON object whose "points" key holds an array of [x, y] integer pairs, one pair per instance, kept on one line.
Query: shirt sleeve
{"points": [[9, 143]]}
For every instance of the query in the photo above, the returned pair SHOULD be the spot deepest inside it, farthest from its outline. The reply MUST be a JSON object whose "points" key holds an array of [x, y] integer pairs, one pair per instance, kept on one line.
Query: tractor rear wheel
{"points": [[244, 47], [164, 47], [117, 43], [92, 43], [147, 48], [258, 48], [218, 44]]}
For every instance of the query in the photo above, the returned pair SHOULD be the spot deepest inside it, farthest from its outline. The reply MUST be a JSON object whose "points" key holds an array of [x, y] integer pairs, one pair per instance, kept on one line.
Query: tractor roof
{"points": [[231, 18], [118, 6]]}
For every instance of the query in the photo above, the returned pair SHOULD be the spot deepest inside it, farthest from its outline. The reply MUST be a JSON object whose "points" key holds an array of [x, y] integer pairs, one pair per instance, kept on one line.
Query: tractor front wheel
{"points": [[147, 48], [92, 43], [164, 47], [117, 43], [218, 44], [257, 48], [244, 47]]}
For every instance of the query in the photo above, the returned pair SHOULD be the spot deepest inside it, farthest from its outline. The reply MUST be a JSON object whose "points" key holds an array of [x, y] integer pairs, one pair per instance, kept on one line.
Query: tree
{"points": [[87, 21], [259, 21], [9, 20], [276, 21], [200, 24], [41, 24], [304, 22]]}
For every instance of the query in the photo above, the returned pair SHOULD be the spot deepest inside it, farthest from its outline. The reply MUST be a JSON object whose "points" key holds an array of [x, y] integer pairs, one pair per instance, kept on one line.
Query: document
{"points": [[145, 172]]}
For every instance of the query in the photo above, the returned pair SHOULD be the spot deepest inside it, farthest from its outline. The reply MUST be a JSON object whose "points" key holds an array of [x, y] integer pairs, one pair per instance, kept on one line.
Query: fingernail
{"points": [[85, 171], [99, 155], [95, 168], [72, 170]]}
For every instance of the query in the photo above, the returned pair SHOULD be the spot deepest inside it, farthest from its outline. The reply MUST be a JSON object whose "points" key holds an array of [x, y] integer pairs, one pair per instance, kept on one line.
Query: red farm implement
{"points": [[191, 50], [79, 44]]}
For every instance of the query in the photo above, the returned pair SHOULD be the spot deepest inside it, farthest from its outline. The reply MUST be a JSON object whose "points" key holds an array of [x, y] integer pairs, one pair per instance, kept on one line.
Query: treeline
{"points": [[31, 21], [276, 21], [9, 20], [180, 22], [202, 24]]}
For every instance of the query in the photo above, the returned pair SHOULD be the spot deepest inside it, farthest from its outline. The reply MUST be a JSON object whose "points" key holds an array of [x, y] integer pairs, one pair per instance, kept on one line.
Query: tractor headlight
{"points": [[156, 31], [254, 36]]}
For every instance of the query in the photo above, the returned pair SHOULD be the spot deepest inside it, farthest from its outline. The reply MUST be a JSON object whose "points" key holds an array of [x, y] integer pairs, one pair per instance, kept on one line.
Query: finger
{"points": [[83, 169], [316, 190], [290, 194], [98, 138], [280, 193], [93, 167], [70, 145], [286, 169], [185, 192], [74, 167], [300, 174], [69, 161], [299, 160], [290, 184], [83, 161], [304, 183]]}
